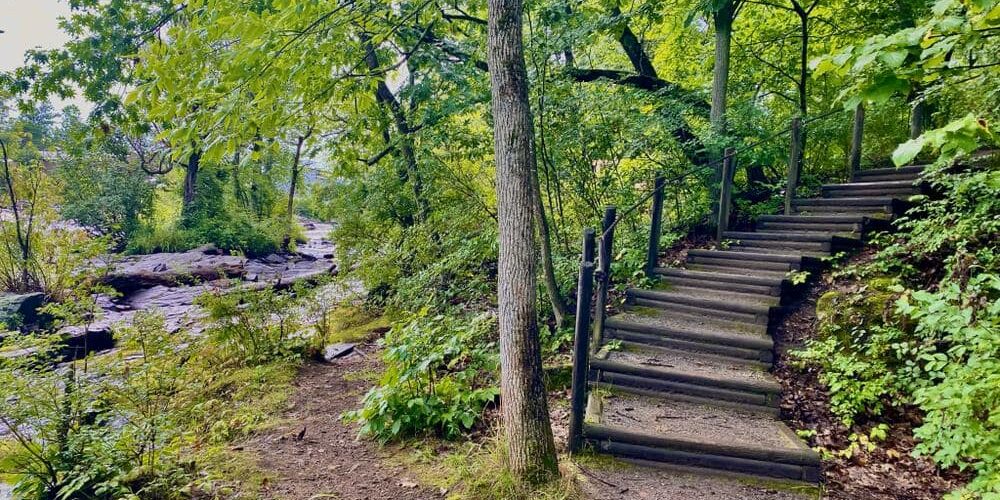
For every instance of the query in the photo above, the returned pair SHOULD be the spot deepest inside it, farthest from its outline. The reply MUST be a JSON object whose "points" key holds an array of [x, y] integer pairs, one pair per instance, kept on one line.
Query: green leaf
{"points": [[907, 151]]}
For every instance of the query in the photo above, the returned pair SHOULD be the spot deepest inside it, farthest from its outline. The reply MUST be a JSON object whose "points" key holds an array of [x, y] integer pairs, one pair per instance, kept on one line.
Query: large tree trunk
{"points": [[528, 434], [723, 19]]}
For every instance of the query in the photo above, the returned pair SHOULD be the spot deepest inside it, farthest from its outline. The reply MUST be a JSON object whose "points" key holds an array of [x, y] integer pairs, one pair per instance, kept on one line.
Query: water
{"points": [[5, 491]]}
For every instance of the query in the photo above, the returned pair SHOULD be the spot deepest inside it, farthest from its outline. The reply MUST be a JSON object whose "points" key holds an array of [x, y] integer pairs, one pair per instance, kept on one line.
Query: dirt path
{"points": [[328, 461]]}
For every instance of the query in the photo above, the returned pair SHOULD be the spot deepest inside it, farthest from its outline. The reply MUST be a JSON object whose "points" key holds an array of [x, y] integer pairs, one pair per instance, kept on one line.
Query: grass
{"points": [[354, 324], [478, 470]]}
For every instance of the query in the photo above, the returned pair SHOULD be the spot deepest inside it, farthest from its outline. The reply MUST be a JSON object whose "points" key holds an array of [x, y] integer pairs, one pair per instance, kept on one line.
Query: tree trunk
{"points": [[723, 19], [559, 309], [190, 182], [294, 181], [531, 451], [918, 116], [720, 71], [385, 97]]}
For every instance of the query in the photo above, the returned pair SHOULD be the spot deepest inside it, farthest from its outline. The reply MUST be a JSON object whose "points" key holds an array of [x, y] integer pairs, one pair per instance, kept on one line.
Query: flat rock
{"points": [[172, 269], [339, 350]]}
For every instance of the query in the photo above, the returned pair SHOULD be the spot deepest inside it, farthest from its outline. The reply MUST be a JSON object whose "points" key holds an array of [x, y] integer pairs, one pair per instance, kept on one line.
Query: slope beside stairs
{"points": [[684, 377]]}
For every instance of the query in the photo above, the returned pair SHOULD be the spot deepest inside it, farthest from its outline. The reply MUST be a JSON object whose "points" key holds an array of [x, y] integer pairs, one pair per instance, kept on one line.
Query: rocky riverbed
{"points": [[170, 282]]}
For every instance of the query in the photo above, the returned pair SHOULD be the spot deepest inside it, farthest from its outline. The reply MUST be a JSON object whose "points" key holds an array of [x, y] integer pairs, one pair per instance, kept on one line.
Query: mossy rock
{"points": [[867, 304]]}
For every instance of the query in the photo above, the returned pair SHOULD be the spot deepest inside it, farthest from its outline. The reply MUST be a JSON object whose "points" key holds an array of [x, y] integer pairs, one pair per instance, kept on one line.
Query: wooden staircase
{"points": [[683, 373]]}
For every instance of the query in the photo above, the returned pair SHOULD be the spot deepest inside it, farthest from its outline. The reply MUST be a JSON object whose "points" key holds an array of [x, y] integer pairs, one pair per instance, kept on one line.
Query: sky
{"points": [[28, 24]]}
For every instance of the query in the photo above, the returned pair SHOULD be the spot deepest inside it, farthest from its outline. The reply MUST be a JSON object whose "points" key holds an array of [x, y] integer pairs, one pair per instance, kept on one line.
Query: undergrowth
{"points": [[921, 327], [156, 418]]}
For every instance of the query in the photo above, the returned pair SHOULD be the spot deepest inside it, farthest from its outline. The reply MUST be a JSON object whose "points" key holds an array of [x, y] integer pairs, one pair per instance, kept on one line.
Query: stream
{"points": [[170, 282]]}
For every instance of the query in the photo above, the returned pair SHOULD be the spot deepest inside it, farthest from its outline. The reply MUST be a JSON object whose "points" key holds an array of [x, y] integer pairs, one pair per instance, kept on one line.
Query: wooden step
{"points": [[700, 435], [746, 265], [680, 281], [806, 226], [861, 201], [728, 269], [749, 247], [721, 277], [672, 371], [909, 170], [869, 186], [739, 311], [794, 260]]}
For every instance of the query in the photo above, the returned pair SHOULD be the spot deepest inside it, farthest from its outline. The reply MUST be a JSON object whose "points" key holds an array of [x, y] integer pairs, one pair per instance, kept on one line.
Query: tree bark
{"points": [[385, 97], [294, 181], [723, 20], [531, 451], [191, 182], [559, 309]]}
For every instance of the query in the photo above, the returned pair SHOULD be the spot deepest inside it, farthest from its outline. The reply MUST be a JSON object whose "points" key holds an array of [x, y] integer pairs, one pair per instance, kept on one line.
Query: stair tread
{"points": [[726, 372], [871, 185], [718, 276], [793, 236], [765, 257], [695, 325], [858, 200], [738, 270], [908, 169], [698, 300], [716, 294], [783, 251], [709, 425], [814, 219]]}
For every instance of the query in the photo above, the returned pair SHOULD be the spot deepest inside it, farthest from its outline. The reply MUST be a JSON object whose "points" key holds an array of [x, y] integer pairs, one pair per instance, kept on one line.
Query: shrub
{"points": [[440, 375], [257, 326], [105, 193], [928, 336]]}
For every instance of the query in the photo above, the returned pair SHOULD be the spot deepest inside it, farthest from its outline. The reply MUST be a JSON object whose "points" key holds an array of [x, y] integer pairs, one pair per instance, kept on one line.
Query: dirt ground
{"points": [[328, 461], [888, 472]]}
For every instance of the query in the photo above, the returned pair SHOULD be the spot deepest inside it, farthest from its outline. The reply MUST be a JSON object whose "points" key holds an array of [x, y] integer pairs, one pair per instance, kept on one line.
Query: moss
{"points": [[826, 305], [354, 324], [645, 311], [796, 487]]}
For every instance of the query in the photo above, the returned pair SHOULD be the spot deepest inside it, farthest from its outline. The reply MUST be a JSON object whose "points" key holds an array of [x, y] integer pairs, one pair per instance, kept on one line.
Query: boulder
{"points": [[20, 309], [172, 269], [78, 341]]}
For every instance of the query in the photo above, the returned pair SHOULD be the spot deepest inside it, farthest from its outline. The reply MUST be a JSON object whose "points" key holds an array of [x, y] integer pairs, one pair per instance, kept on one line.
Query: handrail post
{"points": [[726, 192], [794, 163], [857, 133], [581, 344], [604, 248], [655, 227]]}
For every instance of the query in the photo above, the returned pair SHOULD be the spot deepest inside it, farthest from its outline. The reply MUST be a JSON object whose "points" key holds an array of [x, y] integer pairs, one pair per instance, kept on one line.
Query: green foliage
{"points": [[440, 376], [151, 419], [104, 193], [929, 336], [259, 326]]}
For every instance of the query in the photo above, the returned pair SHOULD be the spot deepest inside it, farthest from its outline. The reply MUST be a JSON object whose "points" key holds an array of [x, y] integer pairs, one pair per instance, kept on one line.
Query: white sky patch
{"points": [[28, 24]]}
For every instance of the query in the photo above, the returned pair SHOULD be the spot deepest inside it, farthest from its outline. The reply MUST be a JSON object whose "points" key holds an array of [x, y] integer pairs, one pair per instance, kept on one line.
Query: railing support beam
{"points": [[581, 344], [604, 249], [655, 227]]}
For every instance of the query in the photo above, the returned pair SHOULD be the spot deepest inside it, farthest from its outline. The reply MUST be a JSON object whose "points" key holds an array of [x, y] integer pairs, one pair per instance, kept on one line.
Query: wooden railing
{"points": [[595, 271]]}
